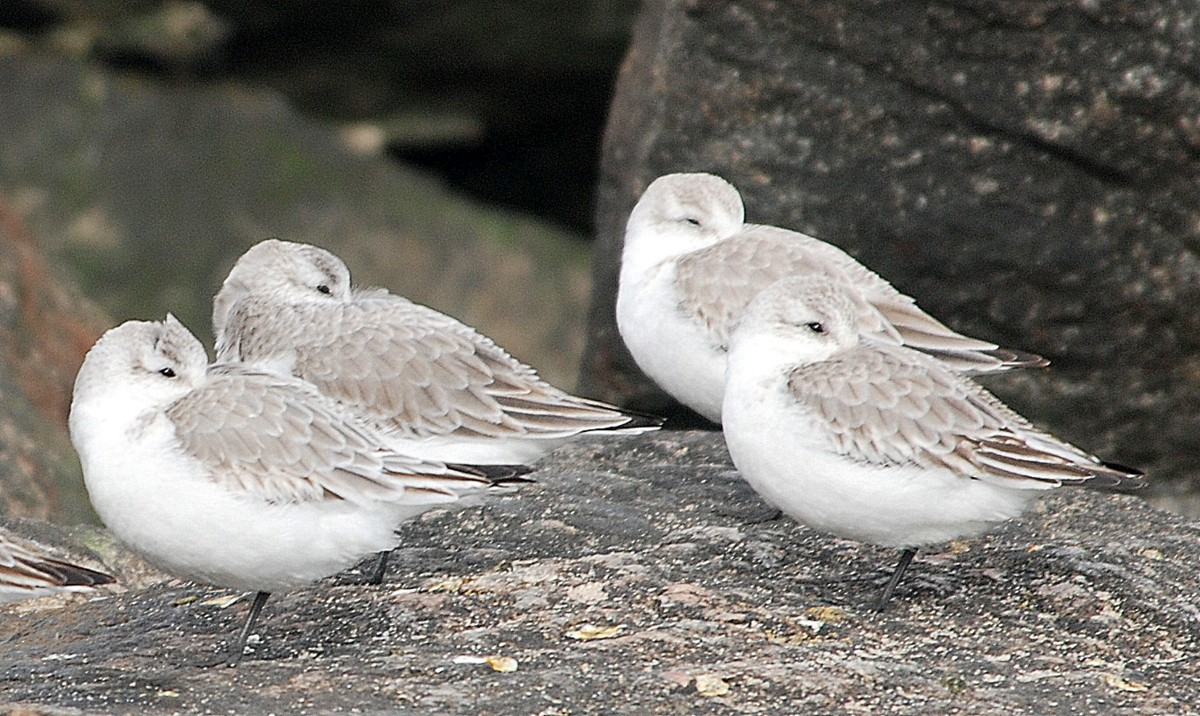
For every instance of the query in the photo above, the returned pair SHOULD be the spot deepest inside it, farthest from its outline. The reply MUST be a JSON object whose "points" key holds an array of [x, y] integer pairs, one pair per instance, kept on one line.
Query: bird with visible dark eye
{"points": [[324, 289], [900, 450], [166, 372], [815, 326], [253, 481]]}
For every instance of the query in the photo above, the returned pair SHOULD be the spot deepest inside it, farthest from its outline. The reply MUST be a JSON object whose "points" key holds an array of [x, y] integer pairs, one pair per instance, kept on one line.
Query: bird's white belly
{"points": [[787, 459], [474, 451], [158, 502], [678, 354]]}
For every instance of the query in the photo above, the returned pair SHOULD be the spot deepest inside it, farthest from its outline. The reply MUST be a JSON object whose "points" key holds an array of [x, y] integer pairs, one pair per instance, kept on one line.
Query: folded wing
{"points": [[717, 283], [892, 406], [277, 439], [418, 372]]}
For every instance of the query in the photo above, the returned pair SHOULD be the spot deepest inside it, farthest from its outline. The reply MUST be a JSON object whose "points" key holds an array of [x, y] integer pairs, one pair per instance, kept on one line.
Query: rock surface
{"points": [[1026, 170], [644, 577], [46, 327]]}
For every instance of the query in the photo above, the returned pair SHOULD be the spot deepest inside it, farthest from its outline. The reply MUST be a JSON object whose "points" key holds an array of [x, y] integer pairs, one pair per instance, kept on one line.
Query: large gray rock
{"points": [[1086, 605], [1028, 171]]}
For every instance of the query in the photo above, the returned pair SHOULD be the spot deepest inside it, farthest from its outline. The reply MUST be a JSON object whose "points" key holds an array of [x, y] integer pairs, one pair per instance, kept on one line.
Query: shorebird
{"points": [[434, 386], [879, 442], [237, 477], [691, 265]]}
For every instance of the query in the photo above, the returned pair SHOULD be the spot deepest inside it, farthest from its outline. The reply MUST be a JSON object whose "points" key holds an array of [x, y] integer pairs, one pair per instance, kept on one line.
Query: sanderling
{"points": [[878, 442], [29, 570], [236, 477], [690, 266], [437, 387]]}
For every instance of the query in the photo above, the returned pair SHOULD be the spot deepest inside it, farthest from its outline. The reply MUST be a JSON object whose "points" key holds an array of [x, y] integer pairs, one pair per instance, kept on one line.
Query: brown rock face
{"points": [[1026, 170], [45, 330]]}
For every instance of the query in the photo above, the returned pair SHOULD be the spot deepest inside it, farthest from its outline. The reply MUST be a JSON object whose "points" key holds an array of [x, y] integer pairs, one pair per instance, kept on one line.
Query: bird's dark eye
{"points": [[323, 289], [692, 220], [167, 372], [815, 326]]}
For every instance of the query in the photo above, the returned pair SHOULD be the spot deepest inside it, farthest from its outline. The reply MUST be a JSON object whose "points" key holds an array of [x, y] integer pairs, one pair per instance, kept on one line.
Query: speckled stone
{"points": [[643, 576], [1026, 170]]}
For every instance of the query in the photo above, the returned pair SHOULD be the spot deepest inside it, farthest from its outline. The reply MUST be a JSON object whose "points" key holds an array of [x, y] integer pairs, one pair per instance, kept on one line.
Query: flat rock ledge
{"points": [[643, 576]]}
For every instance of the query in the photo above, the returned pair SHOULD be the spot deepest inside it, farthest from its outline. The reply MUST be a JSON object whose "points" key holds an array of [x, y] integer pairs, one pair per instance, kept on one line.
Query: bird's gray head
{"points": [[289, 271], [691, 210], [157, 360], [811, 315]]}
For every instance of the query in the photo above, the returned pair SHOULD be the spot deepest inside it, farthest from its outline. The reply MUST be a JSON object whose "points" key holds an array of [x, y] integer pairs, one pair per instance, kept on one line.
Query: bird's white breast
{"points": [[163, 504], [674, 349], [784, 451]]}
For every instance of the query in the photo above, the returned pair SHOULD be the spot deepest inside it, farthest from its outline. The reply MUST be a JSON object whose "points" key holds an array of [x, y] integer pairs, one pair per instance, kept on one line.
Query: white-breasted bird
{"points": [[879, 442], [690, 266], [436, 387], [236, 477]]}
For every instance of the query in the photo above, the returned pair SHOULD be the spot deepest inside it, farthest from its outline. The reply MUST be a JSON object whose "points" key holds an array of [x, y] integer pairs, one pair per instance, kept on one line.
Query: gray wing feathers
{"points": [[278, 440], [888, 405], [718, 282], [415, 371]]}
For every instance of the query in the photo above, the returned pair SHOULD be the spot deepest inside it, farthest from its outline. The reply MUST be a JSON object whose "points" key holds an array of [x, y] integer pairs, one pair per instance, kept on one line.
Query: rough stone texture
{"points": [[1026, 170], [148, 193], [1087, 605], [505, 98], [46, 326]]}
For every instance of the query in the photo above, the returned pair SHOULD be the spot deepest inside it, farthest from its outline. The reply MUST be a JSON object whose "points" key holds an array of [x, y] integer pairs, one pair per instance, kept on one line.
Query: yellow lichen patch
{"points": [[503, 664], [1115, 681], [454, 585], [708, 685], [829, 615], [588, 632], [959, 546]]}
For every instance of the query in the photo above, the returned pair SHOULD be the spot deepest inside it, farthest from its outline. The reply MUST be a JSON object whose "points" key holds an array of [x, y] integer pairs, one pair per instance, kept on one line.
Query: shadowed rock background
{"points": [[1028, 171]]}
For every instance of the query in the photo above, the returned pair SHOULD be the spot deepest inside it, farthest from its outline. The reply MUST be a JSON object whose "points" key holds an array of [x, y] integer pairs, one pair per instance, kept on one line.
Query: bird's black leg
{"points": [[239, 645], [906, 558], [380, 569]]}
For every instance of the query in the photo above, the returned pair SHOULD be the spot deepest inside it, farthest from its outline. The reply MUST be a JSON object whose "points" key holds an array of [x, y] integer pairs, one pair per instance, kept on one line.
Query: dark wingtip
{"points": [[1018, 359], [987, 362], [496, 474], [1128, 471], [641, 420], [1120, 478], [72, 575]]}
